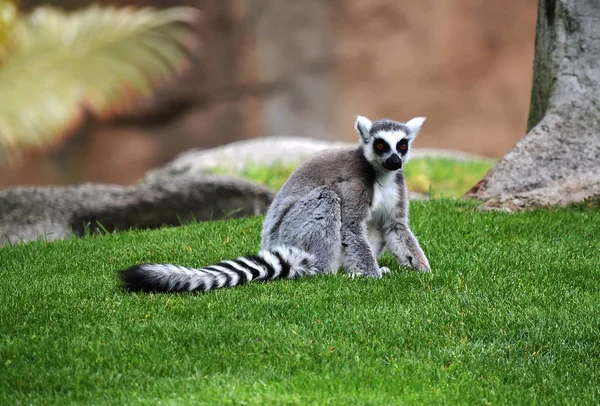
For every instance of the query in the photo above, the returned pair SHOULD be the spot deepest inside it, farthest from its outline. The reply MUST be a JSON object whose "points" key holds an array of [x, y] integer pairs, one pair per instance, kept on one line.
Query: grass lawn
{"points": [[510, 315], [442, 177]]}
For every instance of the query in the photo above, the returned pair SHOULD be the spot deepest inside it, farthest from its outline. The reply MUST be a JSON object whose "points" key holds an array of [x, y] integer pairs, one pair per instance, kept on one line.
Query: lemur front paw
{"points": [[419, 264], [384, 269]]}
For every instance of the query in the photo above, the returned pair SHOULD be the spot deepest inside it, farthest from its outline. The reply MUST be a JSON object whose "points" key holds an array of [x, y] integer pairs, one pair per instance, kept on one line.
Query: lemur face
{"points": [[386, 143]]}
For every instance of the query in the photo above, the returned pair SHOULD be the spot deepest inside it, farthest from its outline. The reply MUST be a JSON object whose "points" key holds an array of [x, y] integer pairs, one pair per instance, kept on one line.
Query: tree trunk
{"points": [[558, 161]]}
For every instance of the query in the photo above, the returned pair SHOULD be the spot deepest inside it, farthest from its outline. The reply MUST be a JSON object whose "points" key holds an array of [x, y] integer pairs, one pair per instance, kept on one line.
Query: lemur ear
{"points": [[414, 126], [363, 128]]}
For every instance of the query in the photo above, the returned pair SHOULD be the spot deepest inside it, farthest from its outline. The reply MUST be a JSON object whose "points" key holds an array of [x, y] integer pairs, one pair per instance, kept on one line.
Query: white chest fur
{"points": [[385, 197]]}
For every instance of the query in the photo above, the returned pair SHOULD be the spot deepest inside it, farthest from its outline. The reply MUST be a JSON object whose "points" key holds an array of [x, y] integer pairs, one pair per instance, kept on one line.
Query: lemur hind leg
{"points": [[313, 224]]}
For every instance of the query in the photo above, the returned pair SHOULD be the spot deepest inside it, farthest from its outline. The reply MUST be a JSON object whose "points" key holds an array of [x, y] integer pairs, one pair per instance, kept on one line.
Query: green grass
{"points": [[443, 177], [510, 315]]}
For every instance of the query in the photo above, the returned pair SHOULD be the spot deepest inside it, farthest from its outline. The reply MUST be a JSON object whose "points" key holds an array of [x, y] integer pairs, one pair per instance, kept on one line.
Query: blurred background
{"points": [[307, 68]]}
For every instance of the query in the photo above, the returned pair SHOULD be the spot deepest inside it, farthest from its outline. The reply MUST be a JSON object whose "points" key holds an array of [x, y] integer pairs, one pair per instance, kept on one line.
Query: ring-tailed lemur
{"points": [[339, 208]]}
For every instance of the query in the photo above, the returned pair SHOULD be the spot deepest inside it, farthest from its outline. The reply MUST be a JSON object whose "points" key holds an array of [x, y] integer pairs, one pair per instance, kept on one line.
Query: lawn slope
{"points": [[509, 315]]}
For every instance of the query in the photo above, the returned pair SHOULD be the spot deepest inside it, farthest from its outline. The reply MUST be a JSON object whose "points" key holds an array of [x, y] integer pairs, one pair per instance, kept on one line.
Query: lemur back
{"points": [[339, 208]]}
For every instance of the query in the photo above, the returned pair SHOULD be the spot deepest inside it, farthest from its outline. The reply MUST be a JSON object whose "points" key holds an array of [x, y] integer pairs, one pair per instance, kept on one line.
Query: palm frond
{"points": [[98, 60], [8, 17]]}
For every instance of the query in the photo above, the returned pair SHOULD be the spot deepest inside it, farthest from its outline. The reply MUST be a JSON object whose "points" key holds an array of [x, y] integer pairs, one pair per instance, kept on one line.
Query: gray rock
{"points": [[558, 161], [176, 193], [30, 213], [234, 157]]}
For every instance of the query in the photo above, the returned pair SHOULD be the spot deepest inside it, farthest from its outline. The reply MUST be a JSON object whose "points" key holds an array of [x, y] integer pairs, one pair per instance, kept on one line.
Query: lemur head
{"points": [[386, 143]]}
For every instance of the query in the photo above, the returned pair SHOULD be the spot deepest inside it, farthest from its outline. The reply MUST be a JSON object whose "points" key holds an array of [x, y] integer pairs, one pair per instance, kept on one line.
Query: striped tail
{"points": [[279, 263]]}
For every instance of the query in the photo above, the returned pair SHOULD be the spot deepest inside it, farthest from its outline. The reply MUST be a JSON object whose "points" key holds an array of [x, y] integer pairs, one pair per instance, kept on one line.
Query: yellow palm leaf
{"points": [[99, 60], [8, 17]]}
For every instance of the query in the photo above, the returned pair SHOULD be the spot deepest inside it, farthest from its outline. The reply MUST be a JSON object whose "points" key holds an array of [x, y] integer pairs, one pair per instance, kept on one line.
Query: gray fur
{"points": [[326, 208], [388, 125], [340, 208]]}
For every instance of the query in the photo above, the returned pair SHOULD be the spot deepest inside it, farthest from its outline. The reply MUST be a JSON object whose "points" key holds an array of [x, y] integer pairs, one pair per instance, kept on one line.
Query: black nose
{"points": [[393, 163]]}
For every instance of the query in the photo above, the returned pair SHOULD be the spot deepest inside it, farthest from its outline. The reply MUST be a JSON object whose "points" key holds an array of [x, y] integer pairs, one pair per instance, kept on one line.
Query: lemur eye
{"points": [[402, 145], [380, 146]]}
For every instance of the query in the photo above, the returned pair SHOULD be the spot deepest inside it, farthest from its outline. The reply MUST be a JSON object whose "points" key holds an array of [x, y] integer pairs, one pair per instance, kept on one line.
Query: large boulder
{"points": [[558, 161], [30, 213], [266, 151], [236, 156], [176, 193]]}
